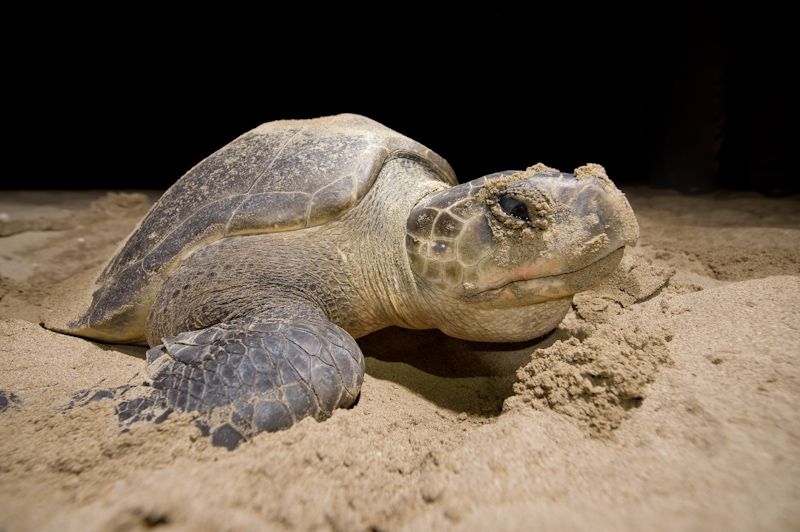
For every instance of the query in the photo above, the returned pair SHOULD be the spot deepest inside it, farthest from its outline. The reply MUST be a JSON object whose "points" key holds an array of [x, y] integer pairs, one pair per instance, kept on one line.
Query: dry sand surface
{"points": [[669, 399]]}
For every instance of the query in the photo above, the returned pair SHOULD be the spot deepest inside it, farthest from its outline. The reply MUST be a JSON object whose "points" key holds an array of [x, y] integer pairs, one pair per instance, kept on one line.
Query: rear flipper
{"points": [[251, 375]]}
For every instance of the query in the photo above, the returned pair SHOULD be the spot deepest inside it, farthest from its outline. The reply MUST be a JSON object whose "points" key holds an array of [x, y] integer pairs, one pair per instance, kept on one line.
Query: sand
{"points": [[666, 400]]}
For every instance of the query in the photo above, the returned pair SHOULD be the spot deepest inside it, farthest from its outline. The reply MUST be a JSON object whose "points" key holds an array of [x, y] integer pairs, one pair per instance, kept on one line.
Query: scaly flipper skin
{"points": [[253, 374]]}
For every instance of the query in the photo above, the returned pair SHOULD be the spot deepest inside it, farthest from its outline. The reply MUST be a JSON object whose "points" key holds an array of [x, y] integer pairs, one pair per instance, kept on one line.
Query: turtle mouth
{"points": [[547, 288]]}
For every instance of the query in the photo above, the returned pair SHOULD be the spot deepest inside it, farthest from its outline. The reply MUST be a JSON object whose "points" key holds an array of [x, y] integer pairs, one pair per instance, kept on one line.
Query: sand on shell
{"points": [[666, 400]]}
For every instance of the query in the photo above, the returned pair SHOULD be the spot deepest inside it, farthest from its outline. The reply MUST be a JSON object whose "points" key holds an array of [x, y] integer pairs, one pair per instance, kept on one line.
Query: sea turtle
{"points": [[252, 276]]}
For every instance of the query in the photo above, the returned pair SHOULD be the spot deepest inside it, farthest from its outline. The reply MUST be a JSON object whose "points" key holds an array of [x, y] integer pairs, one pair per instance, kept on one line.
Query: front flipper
{"points": [[255, 374]]}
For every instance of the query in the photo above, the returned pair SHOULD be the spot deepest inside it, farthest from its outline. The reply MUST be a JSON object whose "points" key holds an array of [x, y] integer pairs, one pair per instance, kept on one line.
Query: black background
{"points": [[133, 99]]}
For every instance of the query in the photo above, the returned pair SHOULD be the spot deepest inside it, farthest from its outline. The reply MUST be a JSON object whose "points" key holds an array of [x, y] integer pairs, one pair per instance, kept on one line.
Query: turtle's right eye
{"points": [[514, 207]]}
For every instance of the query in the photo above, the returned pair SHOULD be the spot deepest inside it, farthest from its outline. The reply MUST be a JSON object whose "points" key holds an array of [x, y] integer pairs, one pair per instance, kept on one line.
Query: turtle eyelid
{"points": [[514, 207]]}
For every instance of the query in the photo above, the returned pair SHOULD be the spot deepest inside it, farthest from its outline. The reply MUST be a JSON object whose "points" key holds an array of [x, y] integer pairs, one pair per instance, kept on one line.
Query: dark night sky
{"points": [[137, 100]]}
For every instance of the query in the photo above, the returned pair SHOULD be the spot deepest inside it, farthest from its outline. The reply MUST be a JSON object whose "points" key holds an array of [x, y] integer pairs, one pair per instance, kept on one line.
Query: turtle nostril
{"points": [[514, 207]]}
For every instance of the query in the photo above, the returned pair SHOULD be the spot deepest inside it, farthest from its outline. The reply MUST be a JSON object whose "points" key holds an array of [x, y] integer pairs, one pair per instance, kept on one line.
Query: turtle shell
{"points": [[281, 176]]}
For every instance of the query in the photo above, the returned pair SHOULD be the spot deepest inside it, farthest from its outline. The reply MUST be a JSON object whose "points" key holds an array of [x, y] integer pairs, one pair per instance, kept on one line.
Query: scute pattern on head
{"points": [[281, 176], [434, 232]]}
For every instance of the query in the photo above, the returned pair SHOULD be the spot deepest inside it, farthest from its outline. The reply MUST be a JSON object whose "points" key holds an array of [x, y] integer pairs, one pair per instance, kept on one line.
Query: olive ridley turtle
{"points": [[252, 276]]}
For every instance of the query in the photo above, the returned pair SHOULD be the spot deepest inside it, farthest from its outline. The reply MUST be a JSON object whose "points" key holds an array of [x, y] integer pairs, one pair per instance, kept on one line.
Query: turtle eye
{"points": [[514, 207]]}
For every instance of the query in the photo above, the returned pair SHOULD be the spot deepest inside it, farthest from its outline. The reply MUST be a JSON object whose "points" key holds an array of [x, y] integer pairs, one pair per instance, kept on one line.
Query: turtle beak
{"points": [[602, 205], [583, 222]]}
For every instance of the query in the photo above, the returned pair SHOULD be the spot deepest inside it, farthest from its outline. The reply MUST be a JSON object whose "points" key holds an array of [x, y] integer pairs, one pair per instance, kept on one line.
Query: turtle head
{"points": [[501, 245]]}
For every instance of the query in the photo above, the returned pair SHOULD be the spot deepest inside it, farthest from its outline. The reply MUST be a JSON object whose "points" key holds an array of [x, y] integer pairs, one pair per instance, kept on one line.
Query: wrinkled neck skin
{"points": [[388, 292]]}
